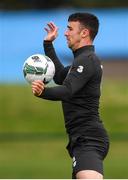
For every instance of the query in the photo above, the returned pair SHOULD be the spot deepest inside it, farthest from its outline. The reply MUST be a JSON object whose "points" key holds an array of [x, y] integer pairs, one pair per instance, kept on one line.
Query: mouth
{"points": [[68, 39]]}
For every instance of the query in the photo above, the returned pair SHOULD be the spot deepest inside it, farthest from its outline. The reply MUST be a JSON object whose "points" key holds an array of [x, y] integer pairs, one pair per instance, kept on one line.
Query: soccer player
{"points": [[79, 90]]}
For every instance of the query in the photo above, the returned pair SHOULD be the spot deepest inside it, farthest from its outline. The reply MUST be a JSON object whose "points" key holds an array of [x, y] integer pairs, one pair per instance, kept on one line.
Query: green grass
{"points": [[45, 159], [114, 104], [116, 162], [22, 112], [48, 159], [33, 139]]}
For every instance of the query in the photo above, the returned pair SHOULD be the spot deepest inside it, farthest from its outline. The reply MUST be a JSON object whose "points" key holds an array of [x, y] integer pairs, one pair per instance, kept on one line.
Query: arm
{"points": [[52, 32], [74, 81], [61, 71], [54, 93]]}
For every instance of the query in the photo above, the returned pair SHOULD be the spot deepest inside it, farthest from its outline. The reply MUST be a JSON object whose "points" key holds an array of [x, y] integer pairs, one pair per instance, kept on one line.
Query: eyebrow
{"points": [[69, 27]]}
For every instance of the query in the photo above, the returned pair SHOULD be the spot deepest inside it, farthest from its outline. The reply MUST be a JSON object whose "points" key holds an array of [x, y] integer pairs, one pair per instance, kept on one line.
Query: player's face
{"points": [[73, 35]]}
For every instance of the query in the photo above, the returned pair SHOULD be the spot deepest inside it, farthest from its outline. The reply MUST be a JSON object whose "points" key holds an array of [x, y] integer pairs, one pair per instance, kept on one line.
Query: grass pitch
{"points": [[33, 139]]}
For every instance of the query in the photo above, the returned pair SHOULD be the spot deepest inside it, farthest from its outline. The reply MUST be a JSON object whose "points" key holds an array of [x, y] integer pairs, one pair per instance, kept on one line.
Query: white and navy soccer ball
{"points": [[38, 67]]}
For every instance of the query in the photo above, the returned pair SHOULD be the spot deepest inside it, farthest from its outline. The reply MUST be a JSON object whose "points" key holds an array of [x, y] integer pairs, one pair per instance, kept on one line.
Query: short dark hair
{"points": [[88, 20]]}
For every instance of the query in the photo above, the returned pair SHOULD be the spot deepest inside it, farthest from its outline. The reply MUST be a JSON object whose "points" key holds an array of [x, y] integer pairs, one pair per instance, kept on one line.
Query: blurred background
{"points": [[32, 133]]}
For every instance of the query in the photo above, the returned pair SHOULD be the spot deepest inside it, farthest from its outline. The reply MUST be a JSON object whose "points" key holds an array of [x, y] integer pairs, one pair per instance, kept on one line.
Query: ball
{"points": [[38, 67]]}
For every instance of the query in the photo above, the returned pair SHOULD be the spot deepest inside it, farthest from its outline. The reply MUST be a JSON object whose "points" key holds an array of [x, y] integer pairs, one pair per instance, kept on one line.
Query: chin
{"points": [[69, 45]]}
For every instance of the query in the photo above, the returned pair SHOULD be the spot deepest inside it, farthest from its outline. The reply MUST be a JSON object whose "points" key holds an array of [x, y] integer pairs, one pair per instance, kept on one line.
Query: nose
{"points": [[66, 33]]}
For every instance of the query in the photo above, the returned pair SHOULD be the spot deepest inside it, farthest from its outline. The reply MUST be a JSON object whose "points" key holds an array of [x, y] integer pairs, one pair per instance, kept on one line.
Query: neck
{"points": [[83, 43], [87, 42], [87, 49]]}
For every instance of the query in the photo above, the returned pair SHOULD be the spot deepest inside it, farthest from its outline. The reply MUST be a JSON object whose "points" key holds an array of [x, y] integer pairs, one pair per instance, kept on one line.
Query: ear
{"points": [[85, 33]]}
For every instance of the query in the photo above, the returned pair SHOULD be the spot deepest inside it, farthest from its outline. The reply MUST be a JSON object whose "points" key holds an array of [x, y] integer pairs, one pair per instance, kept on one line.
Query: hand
{"points": [[37, 87], [52, 32]]}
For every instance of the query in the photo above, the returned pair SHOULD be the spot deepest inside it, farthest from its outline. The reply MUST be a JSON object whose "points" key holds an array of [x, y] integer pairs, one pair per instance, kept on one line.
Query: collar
{"points": [[85, 49]]}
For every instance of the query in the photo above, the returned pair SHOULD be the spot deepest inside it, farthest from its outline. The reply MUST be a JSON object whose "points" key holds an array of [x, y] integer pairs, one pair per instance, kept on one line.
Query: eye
{"points": [[69, 28]]}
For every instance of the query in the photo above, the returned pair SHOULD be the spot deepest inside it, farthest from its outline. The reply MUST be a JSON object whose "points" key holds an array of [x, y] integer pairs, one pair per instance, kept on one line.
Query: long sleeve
{"points": [[78, 76], [82, 73], [60, 70], [57, 93], [60, 92]]}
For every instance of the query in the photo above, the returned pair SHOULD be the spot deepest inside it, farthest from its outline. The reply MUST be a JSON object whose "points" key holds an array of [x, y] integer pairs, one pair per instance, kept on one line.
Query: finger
{"points": [[38, 82], [50, 26], [37, 88], [46, 29], [53, 25], [34, 90], [37, 92]]}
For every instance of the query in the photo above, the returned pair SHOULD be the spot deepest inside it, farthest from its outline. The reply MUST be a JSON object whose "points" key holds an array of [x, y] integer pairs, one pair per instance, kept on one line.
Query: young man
{"points": [[79, 90]]}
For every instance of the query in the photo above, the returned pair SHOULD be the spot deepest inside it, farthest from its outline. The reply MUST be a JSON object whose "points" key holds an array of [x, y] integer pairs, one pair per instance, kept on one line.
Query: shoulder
{"points": [[89, 62], [85, 59]]}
